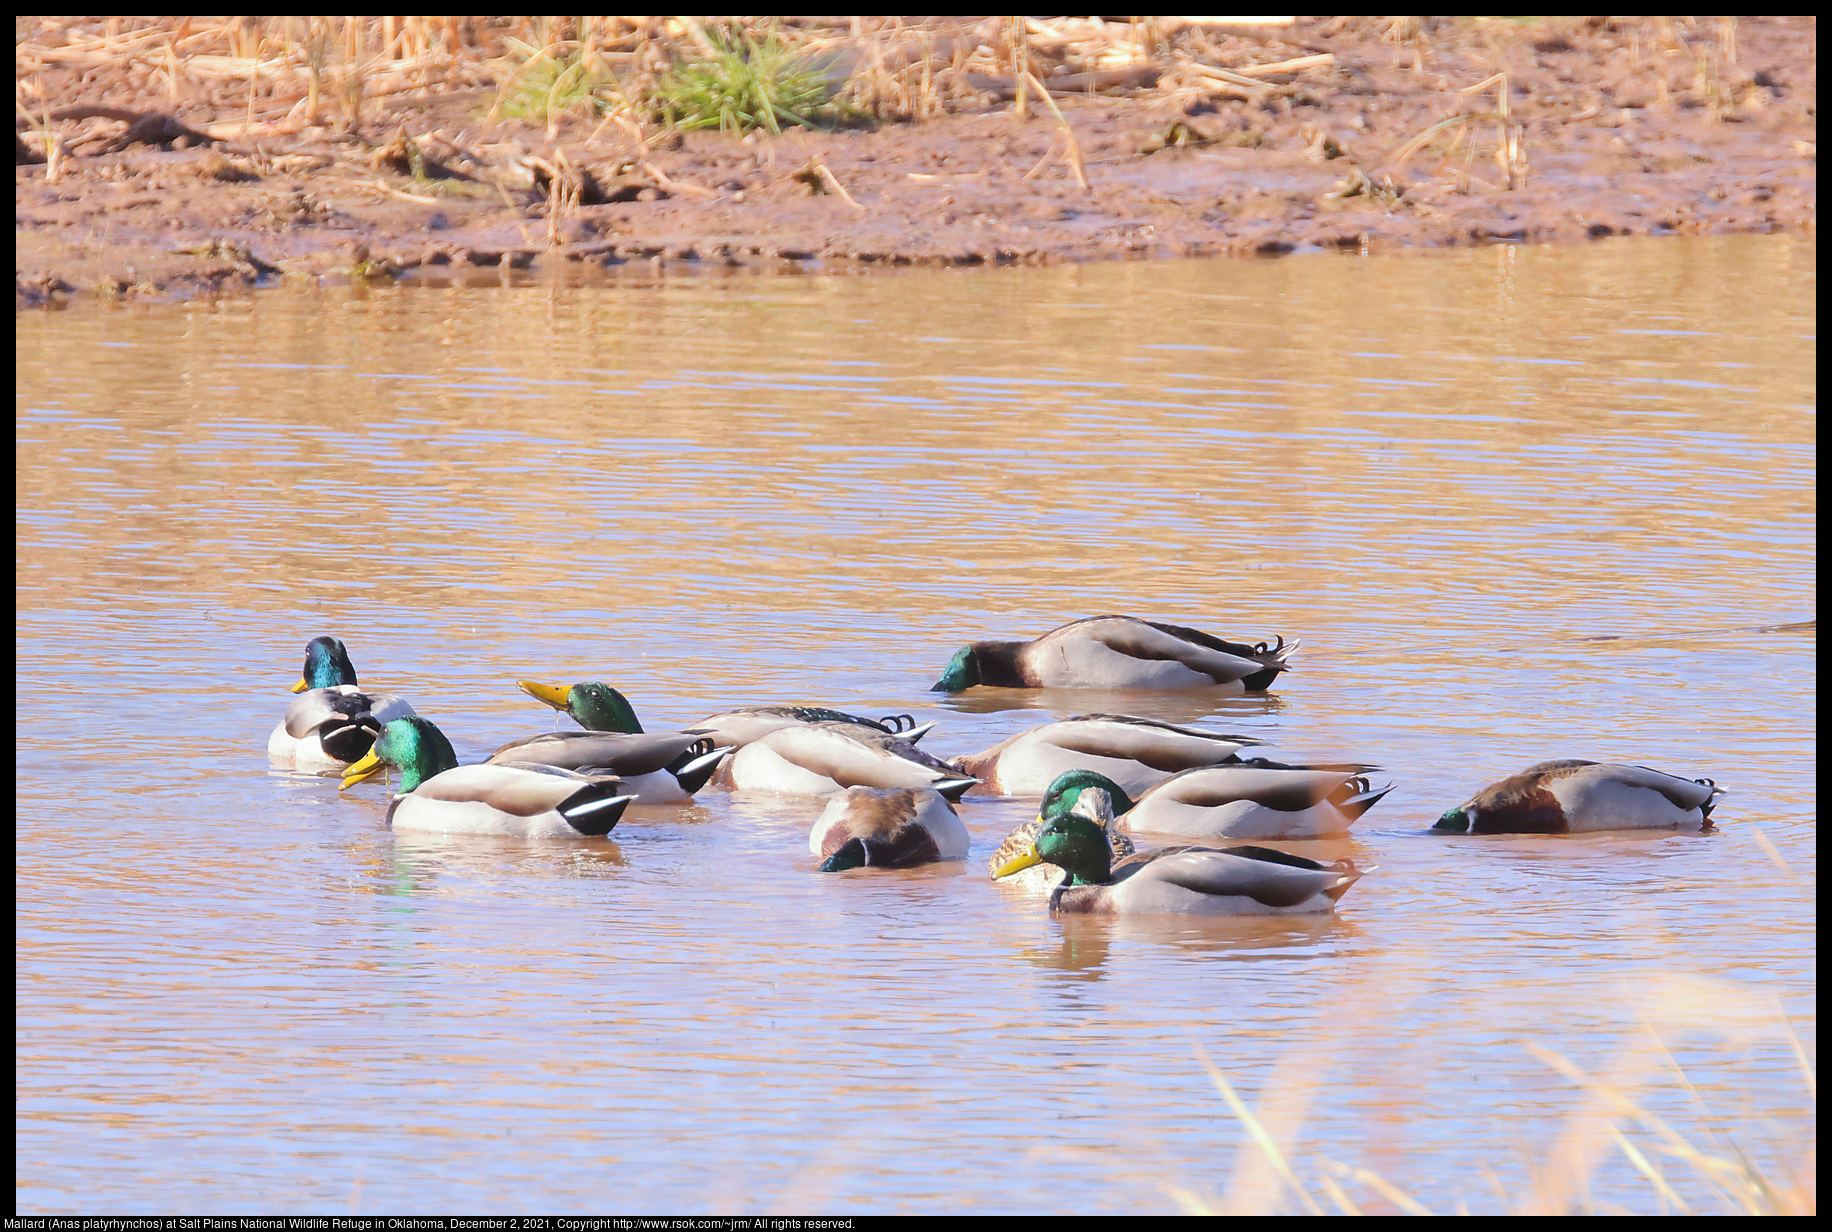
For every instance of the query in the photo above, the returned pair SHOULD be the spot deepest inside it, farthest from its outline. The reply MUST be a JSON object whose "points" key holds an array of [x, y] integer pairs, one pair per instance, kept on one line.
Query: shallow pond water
{"points": [[1518, 504]]}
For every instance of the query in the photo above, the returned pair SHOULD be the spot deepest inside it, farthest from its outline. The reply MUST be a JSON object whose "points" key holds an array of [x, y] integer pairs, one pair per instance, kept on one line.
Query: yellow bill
{"points": [[301, 686], [554, 695], [1027, 860], [357, 771]]}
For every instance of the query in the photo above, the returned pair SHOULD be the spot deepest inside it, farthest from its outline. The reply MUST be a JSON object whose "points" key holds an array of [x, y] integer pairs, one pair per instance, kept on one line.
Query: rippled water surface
{"points": [[1518, 504]]}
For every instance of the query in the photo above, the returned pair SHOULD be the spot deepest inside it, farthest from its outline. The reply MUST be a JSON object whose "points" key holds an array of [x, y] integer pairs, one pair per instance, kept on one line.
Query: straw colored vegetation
{"points": [[986, 139], [1703, 1169]]}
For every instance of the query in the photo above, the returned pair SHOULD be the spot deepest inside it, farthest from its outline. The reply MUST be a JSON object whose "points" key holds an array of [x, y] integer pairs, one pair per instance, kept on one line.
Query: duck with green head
{"points": [[523, 801], [1173, 880], [1118, 652], [596, 706], [1062, 798], [656, 767], [333, 722], [1253, 798]]}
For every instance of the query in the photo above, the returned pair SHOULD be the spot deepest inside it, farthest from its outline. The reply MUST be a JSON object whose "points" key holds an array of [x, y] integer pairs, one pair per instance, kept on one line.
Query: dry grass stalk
{"points": [[1074, 150], [1510, 147], [1257, 1131], [1285, 66], [662, 181]]}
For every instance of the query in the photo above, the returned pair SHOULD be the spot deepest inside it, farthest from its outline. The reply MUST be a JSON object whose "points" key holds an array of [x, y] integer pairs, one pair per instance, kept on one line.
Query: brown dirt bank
{"points": [[1602, 126]]}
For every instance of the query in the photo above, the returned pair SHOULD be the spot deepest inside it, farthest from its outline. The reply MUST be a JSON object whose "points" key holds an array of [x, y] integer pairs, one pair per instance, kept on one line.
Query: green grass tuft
{"points": [[547, 85], [748, 84]]}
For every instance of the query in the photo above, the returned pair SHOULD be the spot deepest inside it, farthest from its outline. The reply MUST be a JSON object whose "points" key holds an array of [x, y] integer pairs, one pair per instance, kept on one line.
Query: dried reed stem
{"points": [[1081, 176]]}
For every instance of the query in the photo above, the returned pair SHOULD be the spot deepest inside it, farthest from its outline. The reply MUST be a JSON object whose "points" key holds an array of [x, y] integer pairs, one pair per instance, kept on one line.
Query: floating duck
{"points": [[1056, 803], [1174, 880], [658, 768], [818, 759], [332, 722], [524, 801], [596, 706], [1117, 652], [902, 827], [1573, 797], [1133, 752], [1257, 798]]}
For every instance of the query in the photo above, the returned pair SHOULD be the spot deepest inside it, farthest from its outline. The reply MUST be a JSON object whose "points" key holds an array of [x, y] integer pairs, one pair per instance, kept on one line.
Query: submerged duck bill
{"points": [[555, 695], [357, 771], [1027, 860]]}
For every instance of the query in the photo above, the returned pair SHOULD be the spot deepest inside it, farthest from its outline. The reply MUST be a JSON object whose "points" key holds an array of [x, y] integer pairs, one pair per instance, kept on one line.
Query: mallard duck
{"points": [[1179, 880], [524, 801], [598, 707], [1571, 797], [818, 759], [658, 768], [1117, 652], [898, 827], [332, 722], [1062, 798], [1257, 798], [1135, 753]]}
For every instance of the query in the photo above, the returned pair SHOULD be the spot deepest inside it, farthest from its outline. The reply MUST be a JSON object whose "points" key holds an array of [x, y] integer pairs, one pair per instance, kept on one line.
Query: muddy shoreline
{"points": [[1610, 127]]}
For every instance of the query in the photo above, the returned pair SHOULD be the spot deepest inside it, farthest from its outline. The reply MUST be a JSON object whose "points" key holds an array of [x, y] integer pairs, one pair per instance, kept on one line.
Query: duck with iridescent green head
{"points": [[333, 722], [1173, 880], [522, 801], [596, 706], [657, 767]]}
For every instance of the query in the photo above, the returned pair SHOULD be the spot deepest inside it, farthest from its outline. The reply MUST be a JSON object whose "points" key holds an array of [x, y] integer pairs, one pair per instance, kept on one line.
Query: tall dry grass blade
{"points": [[1399, 157], [1258, 1132], [1380, 1185], [1649, 1169], [1800, 1053], [1337, 1196], [1744, 1185], [1774, 853], [1075, 165]]}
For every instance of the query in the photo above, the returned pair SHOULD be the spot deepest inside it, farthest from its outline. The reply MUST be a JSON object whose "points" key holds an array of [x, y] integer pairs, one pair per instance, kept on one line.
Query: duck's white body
{"points": [[899, 827], [1118, 652], [821, 758], [1135, 753], [656, 768], [317, 714], [1577, 797], [516, 801], [1253, 801], [1202, 881]]}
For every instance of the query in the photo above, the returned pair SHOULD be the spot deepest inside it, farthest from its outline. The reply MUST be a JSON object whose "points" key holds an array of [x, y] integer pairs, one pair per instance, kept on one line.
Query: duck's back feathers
{"points": [[746, 724], [526, 801], [1121, 652], [1255, 799], [1574, 796], [894, 828], [821, 758], [1134, 752], [1207, 881], [332, 726], [622, 754]]}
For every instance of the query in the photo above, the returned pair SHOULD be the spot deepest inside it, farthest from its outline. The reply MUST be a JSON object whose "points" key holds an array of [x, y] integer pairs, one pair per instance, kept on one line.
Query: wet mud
{"points": [[1377, 137]]}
